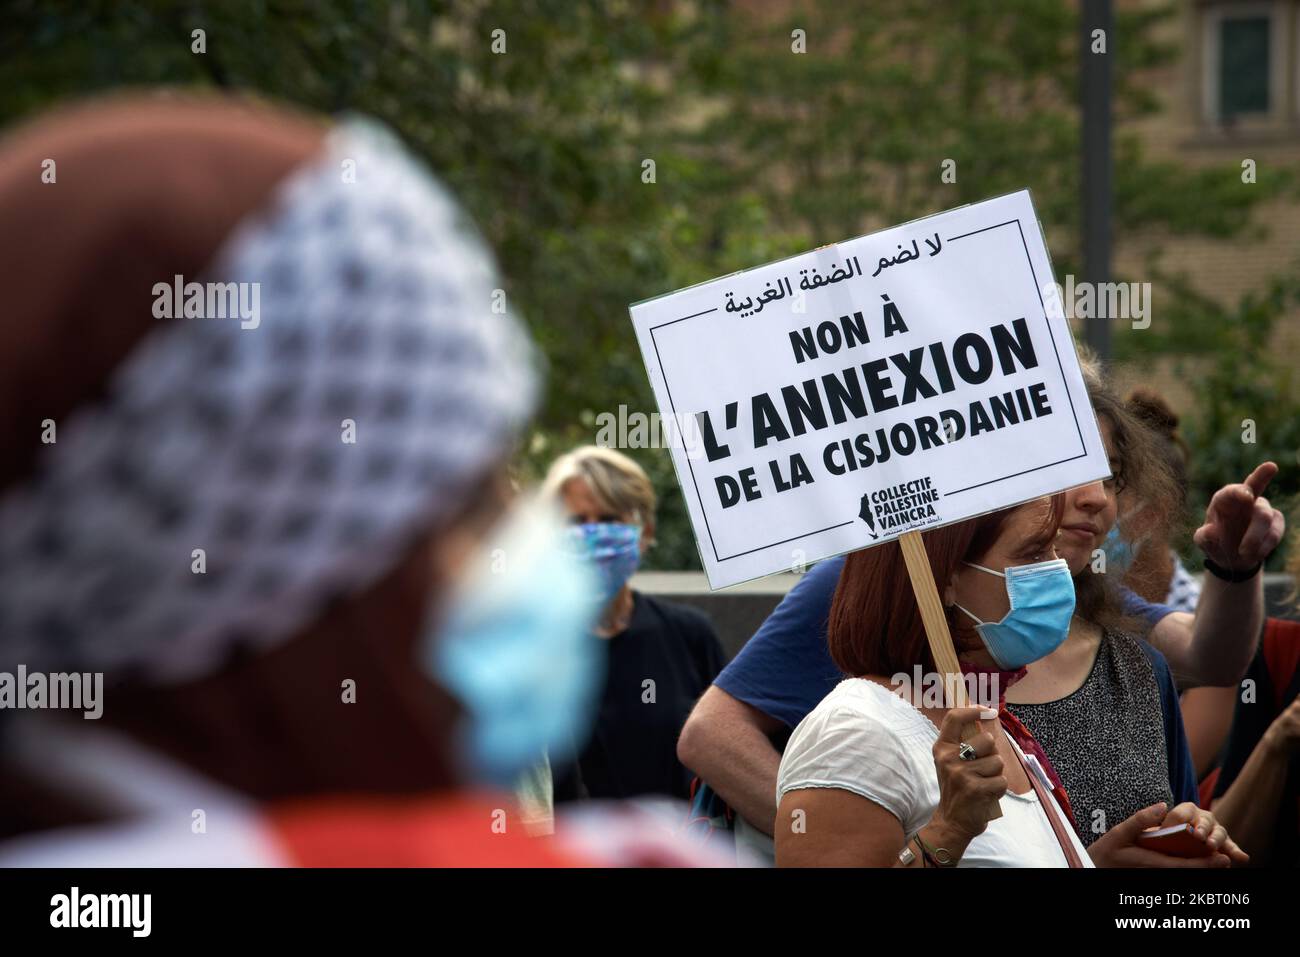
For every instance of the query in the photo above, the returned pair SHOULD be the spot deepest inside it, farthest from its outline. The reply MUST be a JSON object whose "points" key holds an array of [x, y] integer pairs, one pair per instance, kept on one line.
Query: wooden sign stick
{"points": [[936, 631]]}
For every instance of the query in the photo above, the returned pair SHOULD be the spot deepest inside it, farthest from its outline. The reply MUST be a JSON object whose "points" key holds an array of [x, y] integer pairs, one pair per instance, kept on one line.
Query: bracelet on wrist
{"points": [[1228, 575], [935, 856]]}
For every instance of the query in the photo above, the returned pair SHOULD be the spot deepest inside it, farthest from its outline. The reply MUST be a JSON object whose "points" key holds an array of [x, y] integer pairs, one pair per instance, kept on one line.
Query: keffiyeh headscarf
{"points": [[213, 482]]}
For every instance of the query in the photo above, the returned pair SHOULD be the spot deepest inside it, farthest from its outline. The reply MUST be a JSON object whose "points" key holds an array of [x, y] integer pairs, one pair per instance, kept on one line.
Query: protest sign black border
{"points": [[1055, 351]]}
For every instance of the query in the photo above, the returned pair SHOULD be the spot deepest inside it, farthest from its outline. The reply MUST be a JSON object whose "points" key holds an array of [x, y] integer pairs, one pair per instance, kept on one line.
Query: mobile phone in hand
{"points": [[1177, 840]]}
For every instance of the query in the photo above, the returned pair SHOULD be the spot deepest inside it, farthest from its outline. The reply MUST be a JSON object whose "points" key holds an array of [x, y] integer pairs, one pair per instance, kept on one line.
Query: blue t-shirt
{"points": [[1136, 606], [786, 668]]}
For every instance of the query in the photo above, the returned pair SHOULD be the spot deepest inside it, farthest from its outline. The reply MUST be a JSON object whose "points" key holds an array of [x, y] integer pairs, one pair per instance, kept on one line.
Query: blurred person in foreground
{"points": [[662, 656], [272, 532]]}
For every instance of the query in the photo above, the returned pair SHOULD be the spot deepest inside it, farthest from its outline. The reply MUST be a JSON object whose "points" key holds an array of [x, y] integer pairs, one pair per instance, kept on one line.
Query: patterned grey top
{"points": [[1107, 739]]}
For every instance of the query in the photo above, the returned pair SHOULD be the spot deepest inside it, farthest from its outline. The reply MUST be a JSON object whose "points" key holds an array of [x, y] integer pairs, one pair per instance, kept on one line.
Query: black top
{"points": [[1275, 689], [1106, 740], [658, 667]]}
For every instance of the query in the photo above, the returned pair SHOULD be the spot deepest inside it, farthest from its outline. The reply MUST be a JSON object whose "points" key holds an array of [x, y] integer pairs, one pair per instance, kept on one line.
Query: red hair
{"points": [[875, 626]]}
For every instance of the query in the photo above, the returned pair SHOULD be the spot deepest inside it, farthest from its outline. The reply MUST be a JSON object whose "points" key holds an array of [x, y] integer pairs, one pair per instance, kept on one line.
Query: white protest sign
{"points": [[911, 378]]}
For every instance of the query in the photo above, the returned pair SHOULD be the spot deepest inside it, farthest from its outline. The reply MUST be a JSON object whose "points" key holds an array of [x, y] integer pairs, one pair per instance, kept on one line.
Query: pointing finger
{"points": [[1258, 480]]}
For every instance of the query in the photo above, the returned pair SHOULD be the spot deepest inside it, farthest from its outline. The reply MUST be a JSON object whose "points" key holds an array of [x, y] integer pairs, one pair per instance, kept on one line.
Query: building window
{"points": [[1243, 67], [1244, 63]]}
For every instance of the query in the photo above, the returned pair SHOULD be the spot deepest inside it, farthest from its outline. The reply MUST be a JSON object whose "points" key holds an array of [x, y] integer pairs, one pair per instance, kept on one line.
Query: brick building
{"points": [[1232, 94]]}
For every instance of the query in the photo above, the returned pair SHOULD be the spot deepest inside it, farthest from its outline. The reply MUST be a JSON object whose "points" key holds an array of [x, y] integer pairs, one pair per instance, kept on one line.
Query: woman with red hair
{"points": [[869, 778]]}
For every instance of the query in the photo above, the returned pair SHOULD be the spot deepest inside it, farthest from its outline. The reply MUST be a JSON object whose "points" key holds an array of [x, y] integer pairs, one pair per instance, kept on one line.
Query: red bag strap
{"points": [[1050, 809]]}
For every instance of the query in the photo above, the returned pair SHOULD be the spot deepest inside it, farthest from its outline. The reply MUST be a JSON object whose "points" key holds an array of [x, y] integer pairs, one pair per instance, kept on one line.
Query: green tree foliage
{"points": [[759, 151], [1248, 398]]}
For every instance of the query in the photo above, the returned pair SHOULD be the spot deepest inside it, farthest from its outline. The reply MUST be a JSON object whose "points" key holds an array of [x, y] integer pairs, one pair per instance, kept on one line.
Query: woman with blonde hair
{"points": [[662, 656]]}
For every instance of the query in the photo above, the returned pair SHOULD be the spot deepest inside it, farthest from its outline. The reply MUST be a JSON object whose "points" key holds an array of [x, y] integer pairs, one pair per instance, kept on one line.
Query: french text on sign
{"points": [[822, 383]]}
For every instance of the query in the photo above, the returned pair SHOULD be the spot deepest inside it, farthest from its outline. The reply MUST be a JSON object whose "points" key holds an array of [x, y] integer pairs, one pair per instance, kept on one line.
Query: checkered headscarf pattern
{"points": [[1184, 590], [376, 305]]}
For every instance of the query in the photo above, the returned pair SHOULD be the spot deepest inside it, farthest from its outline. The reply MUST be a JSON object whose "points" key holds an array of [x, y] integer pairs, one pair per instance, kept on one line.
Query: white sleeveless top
{"points": [[865, 739]]}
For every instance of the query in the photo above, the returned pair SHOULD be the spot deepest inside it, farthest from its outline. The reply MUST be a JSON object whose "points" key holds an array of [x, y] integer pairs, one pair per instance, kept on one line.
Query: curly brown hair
{"points": [[1144, 469]]}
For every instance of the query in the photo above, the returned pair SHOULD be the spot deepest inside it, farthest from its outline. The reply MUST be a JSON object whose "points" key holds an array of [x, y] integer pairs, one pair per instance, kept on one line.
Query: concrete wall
{"points": [[737, 612]]}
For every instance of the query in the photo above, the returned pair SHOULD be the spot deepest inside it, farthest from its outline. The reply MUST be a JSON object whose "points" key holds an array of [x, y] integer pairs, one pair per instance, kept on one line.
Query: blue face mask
{"points": [[516, 649], [613, 549], [1120, 553], [1042, 604]]}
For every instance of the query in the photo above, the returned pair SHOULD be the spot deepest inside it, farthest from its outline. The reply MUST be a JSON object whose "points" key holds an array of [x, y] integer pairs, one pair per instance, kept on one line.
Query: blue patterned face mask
{"points": [[1042, 604], [516, 649], [613, 549], [1120, 552]]}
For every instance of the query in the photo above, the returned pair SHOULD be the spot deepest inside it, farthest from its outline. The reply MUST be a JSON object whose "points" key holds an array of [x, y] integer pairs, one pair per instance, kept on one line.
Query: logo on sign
{"points": [[864, 513], [899, 507]]}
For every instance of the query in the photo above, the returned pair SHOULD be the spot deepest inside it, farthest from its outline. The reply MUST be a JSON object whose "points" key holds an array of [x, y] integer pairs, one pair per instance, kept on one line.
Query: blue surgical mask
{"points": [[516, 649], [613, 549], [1042, 604]]}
